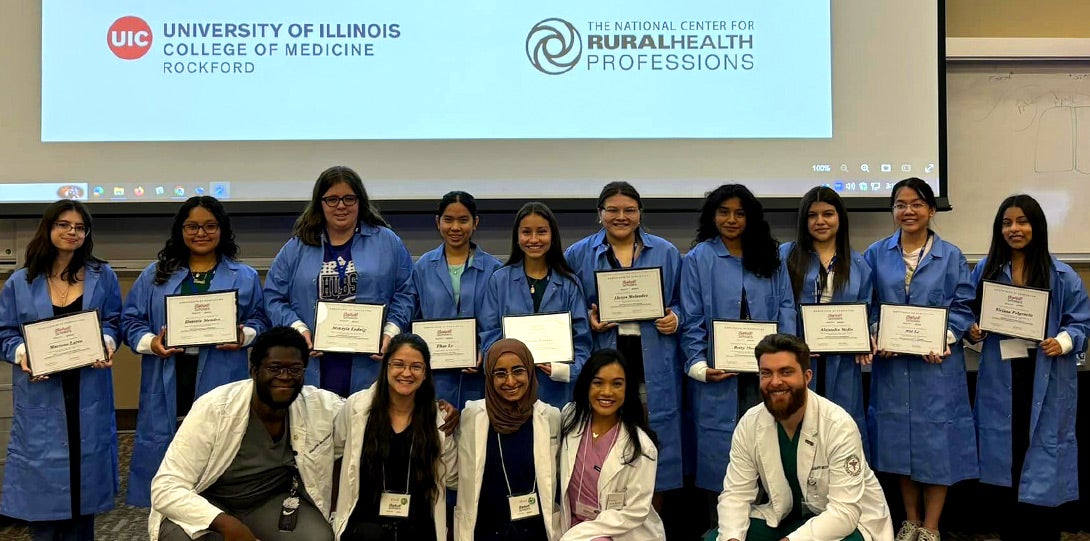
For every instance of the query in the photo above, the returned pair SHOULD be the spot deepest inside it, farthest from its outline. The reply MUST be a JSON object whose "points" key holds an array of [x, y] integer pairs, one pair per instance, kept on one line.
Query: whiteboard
{"points": [[1019, 128]]}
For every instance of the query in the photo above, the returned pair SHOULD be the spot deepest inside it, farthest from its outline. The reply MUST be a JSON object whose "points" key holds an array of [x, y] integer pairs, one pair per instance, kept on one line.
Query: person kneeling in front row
{"points": [[254, 458], [806, 453]]}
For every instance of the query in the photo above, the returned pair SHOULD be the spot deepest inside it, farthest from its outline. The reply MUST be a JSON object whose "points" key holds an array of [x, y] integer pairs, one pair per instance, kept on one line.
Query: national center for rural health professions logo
{"points": [[129, 38], [554, 46]]}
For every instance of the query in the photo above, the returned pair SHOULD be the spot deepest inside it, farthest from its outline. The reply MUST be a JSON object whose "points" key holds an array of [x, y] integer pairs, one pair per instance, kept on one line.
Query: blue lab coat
{"points": [[661, 352], [1049, 475], [36, 475], [843, 376], [435, 300], [508, 294], [709, 290], [919, 419], [145, 313], [384, 276]]}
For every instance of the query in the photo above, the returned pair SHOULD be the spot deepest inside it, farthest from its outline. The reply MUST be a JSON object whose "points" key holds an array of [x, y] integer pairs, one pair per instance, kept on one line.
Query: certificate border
{"points": [[476, 336], [1048, 311], [101, 339], [802, 322], [945, 322], [598, 292], [568, 312], [711, 338], [166, 311], [314, 331]]}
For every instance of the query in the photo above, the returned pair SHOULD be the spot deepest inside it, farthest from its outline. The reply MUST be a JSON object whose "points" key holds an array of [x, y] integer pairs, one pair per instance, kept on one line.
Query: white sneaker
{"points": [[927, 535], [908, 532]]}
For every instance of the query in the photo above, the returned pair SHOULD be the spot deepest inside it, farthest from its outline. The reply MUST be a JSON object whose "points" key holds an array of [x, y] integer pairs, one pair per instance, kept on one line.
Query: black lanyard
{"points": [[819, 281], [916, 267]]}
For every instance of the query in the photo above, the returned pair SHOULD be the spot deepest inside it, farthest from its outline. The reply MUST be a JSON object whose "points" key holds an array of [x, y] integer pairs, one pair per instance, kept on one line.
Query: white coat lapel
{"points": [[807, 441], [571, 451], [768, 449], [480, 442], [614, 462]]}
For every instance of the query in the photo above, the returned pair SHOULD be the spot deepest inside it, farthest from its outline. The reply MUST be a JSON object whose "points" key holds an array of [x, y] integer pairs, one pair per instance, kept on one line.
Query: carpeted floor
{"points": [[126, 523]]}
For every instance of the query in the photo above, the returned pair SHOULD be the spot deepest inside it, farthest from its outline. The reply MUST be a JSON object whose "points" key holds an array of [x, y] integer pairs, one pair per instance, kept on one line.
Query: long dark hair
{"points": [[175, 253], [425, 435], [554, 257], [40, 252], [310, 225], [798, 259], [1037, 271], [760, 251], [631, 412]]}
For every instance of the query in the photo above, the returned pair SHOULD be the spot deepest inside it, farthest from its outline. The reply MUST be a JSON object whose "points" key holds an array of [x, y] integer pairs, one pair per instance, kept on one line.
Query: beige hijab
{"points": [[507, 417]]}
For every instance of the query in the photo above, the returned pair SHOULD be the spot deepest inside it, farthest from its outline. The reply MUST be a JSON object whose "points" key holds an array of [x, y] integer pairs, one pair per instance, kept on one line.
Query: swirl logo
{"points": [[554, 46]]}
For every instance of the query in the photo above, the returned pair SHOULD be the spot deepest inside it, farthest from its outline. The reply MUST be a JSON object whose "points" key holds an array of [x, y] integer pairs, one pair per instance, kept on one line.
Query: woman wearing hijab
{"points": [[507, 454]]}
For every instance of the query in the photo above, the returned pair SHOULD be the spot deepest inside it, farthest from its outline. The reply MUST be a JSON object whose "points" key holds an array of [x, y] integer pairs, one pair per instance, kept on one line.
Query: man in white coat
{"points": [[254, 458], [805, 453]]}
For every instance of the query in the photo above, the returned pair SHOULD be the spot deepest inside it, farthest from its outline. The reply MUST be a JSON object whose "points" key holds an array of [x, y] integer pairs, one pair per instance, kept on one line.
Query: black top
{"points": [[70, 389], [493, 511], [365, 519]]}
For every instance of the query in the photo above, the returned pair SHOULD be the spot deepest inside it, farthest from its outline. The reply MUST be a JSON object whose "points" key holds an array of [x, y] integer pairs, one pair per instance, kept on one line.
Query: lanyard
{"points": [[408, 471], [743, 311], [586, 447], [506, 479], [909, 275], [820, 281]]}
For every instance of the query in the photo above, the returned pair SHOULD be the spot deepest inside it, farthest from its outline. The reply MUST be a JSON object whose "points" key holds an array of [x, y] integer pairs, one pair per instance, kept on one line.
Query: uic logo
{"points": [[129, 38], [554, 46]]}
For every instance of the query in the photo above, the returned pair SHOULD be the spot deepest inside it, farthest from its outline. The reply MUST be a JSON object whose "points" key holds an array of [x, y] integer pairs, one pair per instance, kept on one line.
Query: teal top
{"points": [[789, 454], [456, 272], [197, 282]]}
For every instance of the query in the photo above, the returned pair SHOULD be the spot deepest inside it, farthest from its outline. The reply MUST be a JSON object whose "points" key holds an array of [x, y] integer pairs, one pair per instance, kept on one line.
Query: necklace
{"points": [[64, 295], [534, 282]]}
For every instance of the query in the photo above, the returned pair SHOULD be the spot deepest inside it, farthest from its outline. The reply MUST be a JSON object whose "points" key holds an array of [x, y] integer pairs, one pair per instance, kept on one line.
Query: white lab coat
{"points": [[636, 520], [472, 445], [349, 433], [838, 485], [209, 439]]}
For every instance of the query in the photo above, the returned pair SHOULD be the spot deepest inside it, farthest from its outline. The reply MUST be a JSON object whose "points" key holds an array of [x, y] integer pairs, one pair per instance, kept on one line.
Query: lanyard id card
{"points": [[394, 505], [524, 506], [614, 500], [288, 508], [585, 512]]}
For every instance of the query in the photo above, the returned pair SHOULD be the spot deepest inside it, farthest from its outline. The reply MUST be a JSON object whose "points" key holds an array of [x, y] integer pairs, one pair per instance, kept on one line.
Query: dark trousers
{"points": [[81, 528]]}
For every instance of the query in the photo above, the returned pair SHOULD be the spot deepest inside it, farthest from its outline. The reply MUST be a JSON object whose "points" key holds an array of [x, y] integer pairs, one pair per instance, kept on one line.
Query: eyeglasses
{"points": [[294, 370], [614, 211], [915, 206], [334, 200], [209, 228], [80, 229], [415, 368], [518, 372]]}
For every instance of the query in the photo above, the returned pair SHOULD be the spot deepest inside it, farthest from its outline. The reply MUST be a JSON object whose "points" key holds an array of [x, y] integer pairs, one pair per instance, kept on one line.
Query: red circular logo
{"points": [[129, 38]]}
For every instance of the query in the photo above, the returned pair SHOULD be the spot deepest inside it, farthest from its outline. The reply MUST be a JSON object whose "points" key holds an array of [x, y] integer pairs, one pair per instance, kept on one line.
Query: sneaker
{"points": [[927, 535], [908, 532]]}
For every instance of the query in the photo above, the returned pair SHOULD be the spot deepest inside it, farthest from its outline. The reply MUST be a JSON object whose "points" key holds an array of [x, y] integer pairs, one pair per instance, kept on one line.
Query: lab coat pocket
{"points": [[817, 486]]}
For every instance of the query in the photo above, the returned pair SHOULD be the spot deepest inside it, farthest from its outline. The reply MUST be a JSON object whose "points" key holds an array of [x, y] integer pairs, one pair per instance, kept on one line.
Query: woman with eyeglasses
{"points": [[537, 279], [61, 467], [824, 269], [1027, 391], [341, 250], [651, 346], [733, 271], [397, 462], [200, 256], [919, 420], [507, 452], [449, 282]]}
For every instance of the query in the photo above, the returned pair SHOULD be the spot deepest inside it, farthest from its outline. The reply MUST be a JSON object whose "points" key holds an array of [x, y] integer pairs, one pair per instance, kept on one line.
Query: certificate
{"points": [[836, 327], [629, 294], [548, 336], [348, 327], [915, 330], [63, 343], [453, 342], [202, 319], [734, 342], [1015, 311]]}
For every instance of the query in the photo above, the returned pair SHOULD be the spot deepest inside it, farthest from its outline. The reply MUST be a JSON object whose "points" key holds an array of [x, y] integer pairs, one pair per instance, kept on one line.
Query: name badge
{"points": [[585, 511], [524, 506], [394, 505], [614, 500]]}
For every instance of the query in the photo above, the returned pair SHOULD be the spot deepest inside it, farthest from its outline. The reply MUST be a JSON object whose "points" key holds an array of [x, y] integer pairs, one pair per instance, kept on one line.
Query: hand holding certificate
{"points": [[836, 328], [1015, 311], [202, 319], [913, 330], [348, 327], [548, 336], [734, 342], [453, 342], [64, 343], [630, 294]]}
